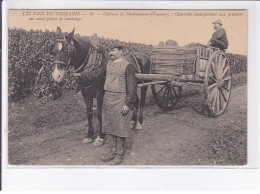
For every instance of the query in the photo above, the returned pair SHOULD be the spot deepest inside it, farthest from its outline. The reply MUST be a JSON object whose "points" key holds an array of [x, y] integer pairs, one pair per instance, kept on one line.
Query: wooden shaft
{"points": [[151, 83], [158, 77]]}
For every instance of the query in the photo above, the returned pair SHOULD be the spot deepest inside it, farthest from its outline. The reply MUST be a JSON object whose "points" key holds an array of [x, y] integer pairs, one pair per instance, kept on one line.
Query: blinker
{"points": [[56, 48]]}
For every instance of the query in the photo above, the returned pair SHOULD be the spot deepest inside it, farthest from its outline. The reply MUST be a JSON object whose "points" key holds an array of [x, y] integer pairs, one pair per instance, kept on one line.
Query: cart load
{"points": [[173, 67], [173, 60]]}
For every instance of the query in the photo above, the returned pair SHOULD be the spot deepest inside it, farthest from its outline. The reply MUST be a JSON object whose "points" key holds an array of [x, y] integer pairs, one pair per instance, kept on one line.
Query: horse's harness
{"points": [[137, 66], [71, 49], [94, 56]]}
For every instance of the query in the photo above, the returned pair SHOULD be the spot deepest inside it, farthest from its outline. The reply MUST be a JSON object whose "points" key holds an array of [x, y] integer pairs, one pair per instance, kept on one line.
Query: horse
{"points": [[82, 58]]}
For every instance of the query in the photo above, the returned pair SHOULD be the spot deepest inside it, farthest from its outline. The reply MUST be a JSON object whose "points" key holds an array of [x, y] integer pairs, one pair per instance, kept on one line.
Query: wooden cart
{"points": [[173, 67]]}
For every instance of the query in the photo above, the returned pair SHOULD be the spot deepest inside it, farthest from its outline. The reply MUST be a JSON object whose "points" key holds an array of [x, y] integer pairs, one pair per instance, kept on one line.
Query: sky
{"points": [[140, 26]]}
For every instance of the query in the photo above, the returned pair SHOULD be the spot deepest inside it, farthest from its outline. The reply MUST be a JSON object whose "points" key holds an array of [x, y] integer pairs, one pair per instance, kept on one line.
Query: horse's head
{"points": [[62, 50]]}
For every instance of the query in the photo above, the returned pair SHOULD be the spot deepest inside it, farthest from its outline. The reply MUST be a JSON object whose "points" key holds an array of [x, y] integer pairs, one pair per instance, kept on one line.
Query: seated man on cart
{"points": [[219, 37]]}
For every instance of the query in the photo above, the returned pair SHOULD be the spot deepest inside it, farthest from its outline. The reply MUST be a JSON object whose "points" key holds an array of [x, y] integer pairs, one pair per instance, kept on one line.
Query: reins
{"points": [[83, 64]]}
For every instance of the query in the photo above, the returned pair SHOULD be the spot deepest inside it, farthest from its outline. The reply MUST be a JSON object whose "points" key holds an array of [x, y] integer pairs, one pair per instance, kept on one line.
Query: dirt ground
{"points": [[184, 136]]}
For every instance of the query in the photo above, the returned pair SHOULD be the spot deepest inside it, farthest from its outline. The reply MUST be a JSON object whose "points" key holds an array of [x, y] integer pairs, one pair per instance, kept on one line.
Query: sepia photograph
{"points": [[119, 87]]}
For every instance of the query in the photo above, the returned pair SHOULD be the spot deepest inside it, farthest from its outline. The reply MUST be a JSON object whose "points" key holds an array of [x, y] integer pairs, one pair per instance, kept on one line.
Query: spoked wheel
{"points": [[166, 96], [218, 83]]}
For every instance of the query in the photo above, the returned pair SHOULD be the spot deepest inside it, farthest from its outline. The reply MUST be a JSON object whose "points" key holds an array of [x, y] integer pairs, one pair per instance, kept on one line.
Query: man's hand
{"points": [[125, 110]]}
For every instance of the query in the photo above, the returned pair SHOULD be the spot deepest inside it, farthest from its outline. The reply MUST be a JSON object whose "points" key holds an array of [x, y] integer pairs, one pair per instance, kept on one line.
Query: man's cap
{"points": [[116, 45], [218, 22]]}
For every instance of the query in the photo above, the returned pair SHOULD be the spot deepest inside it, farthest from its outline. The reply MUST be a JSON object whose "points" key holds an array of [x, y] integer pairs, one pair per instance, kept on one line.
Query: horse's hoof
{"points": [[132, 124], [98, 142], [138, 126], [87, 140]]}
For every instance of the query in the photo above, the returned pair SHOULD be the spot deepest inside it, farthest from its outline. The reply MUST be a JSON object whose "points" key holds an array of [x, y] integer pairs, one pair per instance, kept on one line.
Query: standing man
{"points": [[219, 37], [118, 104]]}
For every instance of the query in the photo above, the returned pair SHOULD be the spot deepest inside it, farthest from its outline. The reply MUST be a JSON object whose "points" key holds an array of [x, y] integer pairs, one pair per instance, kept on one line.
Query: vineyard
{"points": [[29, 54]]}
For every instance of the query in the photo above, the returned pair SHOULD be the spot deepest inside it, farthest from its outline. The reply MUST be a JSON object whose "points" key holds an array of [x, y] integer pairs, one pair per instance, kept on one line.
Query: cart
{"points": [[174, 67]]}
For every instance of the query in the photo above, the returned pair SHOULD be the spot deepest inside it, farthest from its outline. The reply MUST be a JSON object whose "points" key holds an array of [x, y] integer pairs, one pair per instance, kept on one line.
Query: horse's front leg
{"points": [[89, 105], [99, 141]]}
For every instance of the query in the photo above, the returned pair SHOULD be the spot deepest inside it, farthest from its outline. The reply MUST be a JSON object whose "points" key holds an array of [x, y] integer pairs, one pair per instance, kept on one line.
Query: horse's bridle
{"points": [[71, 48]]}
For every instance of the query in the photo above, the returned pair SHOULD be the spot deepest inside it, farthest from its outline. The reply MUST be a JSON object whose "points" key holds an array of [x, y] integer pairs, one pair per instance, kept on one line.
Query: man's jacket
{"points": [[219, 39], [120, 78]]}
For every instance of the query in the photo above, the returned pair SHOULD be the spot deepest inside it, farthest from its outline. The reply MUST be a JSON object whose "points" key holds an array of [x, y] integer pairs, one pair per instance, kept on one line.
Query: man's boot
{"points": [[111, 151], [119, 151]]}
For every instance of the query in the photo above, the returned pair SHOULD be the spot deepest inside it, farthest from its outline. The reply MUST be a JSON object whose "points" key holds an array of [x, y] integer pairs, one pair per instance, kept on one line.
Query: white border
{"points": [[117, 178]]}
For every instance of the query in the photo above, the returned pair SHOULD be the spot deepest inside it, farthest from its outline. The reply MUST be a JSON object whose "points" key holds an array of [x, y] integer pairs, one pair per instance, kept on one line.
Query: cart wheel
{"points": [[165, 95], [217, 83]]}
